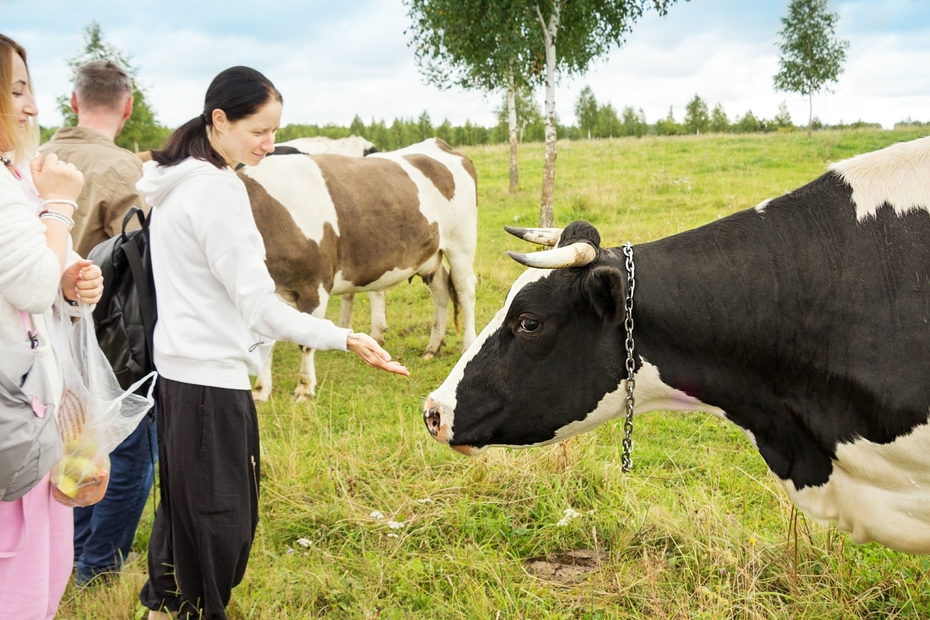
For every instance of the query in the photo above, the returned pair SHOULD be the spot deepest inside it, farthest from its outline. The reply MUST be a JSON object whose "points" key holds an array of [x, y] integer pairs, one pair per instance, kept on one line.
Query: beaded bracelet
{"points": [[57, 216], [59, 201]]}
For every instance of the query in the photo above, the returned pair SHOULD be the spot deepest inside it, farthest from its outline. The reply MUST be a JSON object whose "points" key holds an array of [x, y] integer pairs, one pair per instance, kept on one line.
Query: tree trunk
{"points": [[550, 30], [810, 114], [512, 122]]}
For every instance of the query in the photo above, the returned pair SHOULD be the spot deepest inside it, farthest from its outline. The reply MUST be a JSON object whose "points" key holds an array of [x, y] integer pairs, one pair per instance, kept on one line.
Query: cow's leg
{"points": [[439, 290], [306, 379], [461, 266], [378, 315], [262, 388], [345, 311]]}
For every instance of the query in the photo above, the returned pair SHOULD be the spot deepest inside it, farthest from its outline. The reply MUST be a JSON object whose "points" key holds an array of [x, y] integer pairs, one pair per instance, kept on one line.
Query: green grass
{"points": [[698, 530]]}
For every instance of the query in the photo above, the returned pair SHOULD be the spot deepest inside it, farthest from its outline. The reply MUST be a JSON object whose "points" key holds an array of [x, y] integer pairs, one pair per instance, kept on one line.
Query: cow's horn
{"points": [[541, 236], [574, 255]]}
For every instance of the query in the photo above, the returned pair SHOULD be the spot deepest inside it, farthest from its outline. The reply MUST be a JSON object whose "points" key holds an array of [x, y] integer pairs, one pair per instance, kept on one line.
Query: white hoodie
{"points": [[218, 314]]}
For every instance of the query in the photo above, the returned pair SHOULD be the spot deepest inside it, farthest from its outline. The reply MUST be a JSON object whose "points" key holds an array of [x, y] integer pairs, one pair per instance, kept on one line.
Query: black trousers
{"points": [[205, 521]]}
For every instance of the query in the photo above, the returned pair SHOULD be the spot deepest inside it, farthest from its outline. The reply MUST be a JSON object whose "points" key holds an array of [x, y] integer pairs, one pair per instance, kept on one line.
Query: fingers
{"points": [[35, 166], [89, 271], [372, 354], [55, 178], [89, 286], [377, 361]]}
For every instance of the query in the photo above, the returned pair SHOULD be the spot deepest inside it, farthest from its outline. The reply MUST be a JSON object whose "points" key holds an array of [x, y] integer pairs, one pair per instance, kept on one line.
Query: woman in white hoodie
{"points": [[217, 317]]}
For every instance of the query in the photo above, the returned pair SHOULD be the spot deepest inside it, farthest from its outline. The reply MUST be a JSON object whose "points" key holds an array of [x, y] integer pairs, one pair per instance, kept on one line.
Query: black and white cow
{"points": [[805, 321]]}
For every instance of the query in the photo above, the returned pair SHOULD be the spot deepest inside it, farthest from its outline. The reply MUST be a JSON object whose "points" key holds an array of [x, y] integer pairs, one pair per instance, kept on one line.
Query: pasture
{"points": [[363, 515]]}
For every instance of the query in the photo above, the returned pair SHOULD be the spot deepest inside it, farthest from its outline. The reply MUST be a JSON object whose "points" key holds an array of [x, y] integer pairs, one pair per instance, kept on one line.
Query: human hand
{"points": [[55, 178], [82, 281], [372, 354]]}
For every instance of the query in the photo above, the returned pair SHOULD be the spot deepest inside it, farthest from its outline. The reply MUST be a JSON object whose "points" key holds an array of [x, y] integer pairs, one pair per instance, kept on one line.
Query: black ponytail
{"points": [[238, 91]]}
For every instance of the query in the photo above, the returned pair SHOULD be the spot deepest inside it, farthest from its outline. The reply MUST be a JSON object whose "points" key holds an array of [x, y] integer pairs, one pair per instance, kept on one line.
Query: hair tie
{"points": [[205, 118]]}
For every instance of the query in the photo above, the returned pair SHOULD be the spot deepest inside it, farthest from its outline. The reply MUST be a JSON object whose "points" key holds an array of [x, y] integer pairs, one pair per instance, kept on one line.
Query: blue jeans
{"points": [[103, 533]]}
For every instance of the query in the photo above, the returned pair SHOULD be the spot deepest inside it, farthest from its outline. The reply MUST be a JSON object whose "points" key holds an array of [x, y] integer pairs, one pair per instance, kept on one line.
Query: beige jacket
{"points": [[110, 175]]}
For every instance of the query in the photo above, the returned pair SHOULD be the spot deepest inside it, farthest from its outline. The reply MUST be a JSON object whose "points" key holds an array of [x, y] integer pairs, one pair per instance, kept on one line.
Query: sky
{"points": [[333, 60]]}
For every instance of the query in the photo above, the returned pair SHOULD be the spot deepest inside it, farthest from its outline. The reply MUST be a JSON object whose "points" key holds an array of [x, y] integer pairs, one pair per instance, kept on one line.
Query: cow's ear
{"points": [[605, 288]]}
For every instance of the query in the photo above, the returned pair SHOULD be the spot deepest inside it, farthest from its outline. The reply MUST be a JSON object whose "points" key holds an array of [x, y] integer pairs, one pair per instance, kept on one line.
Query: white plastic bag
{"points": [[95, 414]]}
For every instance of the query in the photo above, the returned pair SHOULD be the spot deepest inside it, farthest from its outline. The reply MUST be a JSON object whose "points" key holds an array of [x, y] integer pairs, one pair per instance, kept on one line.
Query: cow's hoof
{"points": [[259, 396], [303, 396], [429, 355]]}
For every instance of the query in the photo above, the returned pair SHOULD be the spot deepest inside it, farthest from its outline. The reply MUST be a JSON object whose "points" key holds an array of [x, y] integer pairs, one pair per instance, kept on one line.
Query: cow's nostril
{"points": [[433, 421]]}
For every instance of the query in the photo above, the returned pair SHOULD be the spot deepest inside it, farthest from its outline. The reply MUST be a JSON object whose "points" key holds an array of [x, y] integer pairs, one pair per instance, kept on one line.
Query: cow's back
{"points": [[448, 189], [333, 217]]}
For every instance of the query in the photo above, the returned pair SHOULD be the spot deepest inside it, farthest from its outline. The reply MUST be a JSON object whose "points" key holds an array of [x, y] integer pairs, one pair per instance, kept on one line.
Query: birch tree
{"points": [[573, 34], [811, 55], [491, 44], [475, 45]]}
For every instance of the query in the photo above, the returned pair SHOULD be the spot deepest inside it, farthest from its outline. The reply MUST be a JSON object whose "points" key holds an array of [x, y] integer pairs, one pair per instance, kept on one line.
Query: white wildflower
{"points": [[570, 514], [425, 500], [375, 514], [396, 525], [304, 542], [393, 536]]}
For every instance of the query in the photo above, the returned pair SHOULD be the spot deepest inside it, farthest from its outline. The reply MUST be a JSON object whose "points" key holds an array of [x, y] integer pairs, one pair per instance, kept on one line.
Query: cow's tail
{"points": [[456, 308]]}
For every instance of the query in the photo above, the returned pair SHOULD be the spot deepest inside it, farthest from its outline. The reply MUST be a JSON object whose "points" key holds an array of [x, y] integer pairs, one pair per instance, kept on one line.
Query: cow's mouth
{"points": [[469, 450]]}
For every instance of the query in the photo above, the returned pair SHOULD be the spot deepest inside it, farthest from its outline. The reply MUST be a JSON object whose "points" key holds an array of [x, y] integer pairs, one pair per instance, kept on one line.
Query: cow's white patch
{"points": [[353, 146], [650, 394], [297, 183], [877, 492], [444, 395], [898, 175], [760, 208], [341, 286]]}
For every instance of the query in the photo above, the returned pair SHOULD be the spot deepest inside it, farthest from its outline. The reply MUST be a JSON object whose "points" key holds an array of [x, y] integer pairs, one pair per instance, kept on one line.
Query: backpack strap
{"points": [[140, 277]]}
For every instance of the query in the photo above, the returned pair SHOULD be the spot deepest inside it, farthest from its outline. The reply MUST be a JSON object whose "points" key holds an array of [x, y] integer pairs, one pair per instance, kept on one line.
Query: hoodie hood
{"points": [[158, 181]]}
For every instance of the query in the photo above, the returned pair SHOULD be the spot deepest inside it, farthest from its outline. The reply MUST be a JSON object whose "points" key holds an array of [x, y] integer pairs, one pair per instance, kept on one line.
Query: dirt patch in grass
{"points": [[566, 567]]}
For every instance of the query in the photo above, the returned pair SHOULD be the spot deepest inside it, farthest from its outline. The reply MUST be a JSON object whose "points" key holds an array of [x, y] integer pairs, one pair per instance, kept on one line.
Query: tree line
{"points": [[593, 121]]}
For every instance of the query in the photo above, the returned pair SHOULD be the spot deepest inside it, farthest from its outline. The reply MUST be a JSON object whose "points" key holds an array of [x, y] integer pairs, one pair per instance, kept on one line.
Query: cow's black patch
{"points": [[802, 323]]}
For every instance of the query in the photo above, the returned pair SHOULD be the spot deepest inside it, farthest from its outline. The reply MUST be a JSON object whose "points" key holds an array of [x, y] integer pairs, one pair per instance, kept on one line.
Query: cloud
{"points": [[333, 60]]}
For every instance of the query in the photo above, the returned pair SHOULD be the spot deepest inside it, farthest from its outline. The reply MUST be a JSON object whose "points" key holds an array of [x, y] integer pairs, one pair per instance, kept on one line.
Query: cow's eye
{"points": [[528, 325]]}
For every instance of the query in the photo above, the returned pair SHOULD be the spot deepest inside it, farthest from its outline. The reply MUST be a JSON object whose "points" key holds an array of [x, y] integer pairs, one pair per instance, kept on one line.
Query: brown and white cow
{"points": [[334, 225], [352, 146]]}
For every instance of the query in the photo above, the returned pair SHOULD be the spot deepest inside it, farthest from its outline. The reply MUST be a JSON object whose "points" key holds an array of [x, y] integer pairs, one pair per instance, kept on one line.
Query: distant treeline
{"points": [[594, 121]]}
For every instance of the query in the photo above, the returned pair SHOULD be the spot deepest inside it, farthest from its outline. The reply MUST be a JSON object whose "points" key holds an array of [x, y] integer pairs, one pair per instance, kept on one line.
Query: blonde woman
{"points": [[35, 531]]}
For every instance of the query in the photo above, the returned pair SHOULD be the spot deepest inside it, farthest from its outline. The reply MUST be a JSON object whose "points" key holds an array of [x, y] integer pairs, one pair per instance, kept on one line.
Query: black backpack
{"points": [[125, 316]]}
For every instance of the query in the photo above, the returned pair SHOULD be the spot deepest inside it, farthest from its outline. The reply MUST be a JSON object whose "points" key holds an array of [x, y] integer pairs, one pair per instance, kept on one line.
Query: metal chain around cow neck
{"points": [[627, 460]]}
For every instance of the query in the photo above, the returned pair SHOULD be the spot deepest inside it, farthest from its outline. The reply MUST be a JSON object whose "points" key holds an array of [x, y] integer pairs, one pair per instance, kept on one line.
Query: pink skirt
{"points": [[36, 554]]}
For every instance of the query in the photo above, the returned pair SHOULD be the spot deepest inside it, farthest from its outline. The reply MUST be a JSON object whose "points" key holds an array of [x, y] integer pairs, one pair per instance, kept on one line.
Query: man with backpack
{"points": [[102, 100]]}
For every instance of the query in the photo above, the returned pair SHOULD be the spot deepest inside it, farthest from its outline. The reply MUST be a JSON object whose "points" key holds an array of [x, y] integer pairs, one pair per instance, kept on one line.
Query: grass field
{"points": [[698, 530]]}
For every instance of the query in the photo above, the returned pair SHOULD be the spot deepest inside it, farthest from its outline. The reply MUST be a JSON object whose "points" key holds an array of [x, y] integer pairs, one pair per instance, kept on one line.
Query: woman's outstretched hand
{"points": [[366, 348]]}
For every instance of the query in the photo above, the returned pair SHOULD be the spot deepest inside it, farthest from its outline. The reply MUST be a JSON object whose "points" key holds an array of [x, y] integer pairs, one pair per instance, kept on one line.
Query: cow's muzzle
{"points": [[438, 423], [432, 417]]}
